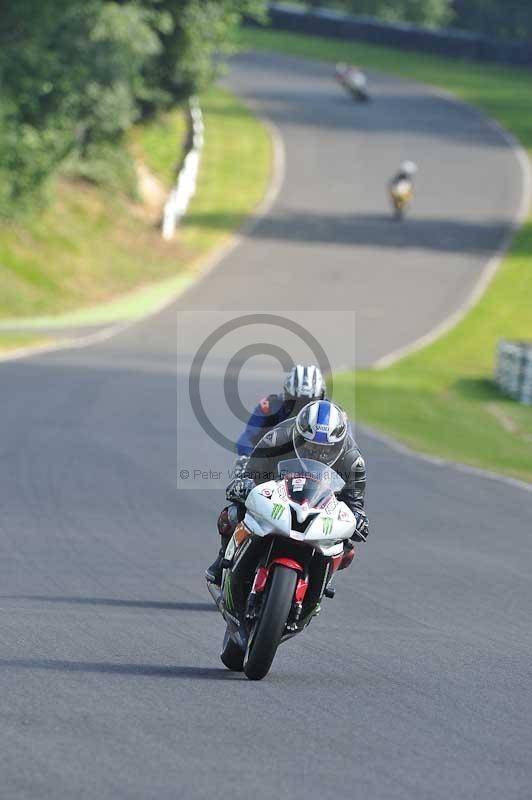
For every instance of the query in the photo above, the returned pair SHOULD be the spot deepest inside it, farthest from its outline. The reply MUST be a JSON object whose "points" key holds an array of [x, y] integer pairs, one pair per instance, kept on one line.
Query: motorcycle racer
{"points": [[302, 384], [406, 172], [401, 184], [352, 79], [320, 432], [401, 187]]}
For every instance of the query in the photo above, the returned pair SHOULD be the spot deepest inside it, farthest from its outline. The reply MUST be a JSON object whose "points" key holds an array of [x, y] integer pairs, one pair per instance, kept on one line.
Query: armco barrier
{"points": [[456, 44], [180, 196], [513, 370]]}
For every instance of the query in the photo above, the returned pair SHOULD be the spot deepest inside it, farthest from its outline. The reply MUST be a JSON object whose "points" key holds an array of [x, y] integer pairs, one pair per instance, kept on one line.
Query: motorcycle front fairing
{"points": [[302, 506], [267, 510]]}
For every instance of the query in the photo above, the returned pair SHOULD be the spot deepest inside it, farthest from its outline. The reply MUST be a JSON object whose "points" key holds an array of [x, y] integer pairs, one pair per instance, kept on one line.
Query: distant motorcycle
{"points": [[402, 188], [279, 563], [353, 81], [401, 195]]}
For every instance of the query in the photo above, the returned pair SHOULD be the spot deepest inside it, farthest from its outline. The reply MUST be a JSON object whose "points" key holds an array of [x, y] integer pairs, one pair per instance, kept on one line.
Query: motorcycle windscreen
{"points": [[309, 481]]}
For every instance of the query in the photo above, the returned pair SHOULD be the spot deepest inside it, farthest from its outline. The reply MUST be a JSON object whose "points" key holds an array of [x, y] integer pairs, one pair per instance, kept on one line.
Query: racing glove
{"points": [[240, 465], [239, 488]]}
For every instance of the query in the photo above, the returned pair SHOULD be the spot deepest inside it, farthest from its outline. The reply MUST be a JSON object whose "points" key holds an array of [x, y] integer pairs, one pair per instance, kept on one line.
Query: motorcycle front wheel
{"points": [[398, 211], [266, 636]]}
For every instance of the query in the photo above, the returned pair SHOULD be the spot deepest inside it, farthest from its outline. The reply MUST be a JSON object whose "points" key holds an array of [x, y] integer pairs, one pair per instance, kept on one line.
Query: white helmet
{"points": [[408, 168], [304, 382], [320, 432]]}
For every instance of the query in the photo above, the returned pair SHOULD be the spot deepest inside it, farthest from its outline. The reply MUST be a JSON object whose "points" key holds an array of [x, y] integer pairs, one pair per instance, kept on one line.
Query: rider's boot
{"points": [[226, 524], [213, 574], [347, 560]]}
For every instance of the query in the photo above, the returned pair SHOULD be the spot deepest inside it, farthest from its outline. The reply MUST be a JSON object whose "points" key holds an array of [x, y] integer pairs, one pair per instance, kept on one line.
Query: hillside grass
{"points": [[18, 341], [442, 400], [91, 245]]}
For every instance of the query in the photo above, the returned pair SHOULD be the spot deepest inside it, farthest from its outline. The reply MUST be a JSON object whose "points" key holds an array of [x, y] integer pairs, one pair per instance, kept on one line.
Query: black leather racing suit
{"points": [[277, 445]]}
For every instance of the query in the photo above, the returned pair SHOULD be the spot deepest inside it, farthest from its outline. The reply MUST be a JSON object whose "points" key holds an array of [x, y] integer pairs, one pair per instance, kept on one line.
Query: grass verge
{"points": [[18, 341], [441, 400], [91, 245]]}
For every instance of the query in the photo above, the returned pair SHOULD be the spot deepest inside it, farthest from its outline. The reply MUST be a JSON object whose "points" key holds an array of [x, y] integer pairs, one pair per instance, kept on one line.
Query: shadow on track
{"points": [[387, 114], [374, 230], [110, 668], [311, 98], [115, 602]]}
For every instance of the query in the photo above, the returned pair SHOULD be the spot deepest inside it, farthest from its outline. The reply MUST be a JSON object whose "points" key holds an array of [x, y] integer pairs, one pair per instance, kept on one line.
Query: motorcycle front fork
{"points": [[256, 597]]}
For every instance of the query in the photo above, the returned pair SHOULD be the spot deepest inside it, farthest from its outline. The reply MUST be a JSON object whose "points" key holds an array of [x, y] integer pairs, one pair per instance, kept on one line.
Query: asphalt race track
{"points": [[415, 682]]}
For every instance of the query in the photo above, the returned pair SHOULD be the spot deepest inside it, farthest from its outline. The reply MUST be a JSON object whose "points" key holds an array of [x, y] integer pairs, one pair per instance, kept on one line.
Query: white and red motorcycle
{"points": [[279, 562], [353, 81]]}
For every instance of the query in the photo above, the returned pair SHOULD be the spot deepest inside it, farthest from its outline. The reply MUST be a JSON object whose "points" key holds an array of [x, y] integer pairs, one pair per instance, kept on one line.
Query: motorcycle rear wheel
{"points": [[266, 637], [232, 655]]}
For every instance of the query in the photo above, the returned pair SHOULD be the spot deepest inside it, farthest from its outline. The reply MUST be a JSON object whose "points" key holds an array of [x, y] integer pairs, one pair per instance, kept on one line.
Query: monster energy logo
{"points": [[228, 592], [327, 525], [277, 510]]}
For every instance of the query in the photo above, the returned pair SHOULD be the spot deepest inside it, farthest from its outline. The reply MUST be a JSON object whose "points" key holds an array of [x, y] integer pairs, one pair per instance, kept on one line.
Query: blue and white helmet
{"points": [[320, 432]]}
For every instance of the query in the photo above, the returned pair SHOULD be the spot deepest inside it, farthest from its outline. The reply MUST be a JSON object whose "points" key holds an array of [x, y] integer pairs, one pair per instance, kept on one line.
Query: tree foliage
{"points": [[197, 33], [432, 13], [496, 18], [75, 75]]}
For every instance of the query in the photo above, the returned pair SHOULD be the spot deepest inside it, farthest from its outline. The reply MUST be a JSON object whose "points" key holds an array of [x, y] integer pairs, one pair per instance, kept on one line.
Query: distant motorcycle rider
{"points": [[321, 432], [406, 172], [401, 188], [352, 79]]}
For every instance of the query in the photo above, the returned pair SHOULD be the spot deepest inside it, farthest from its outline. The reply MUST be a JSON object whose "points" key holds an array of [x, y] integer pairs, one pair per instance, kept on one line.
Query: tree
{"points": [[69, 75], [432, 13], [499, 18], [197, 34], [76, 74]]}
